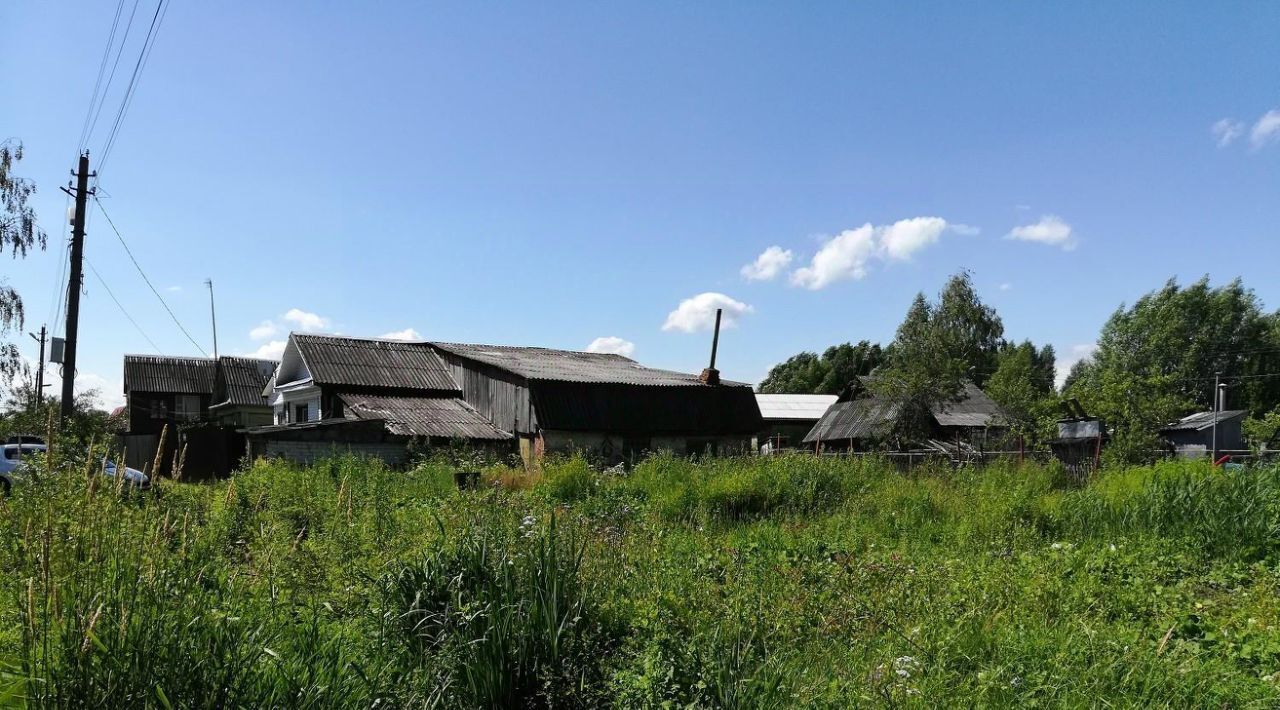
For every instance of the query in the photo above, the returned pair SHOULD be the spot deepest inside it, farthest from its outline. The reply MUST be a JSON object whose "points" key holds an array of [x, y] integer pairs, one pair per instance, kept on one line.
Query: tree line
{"points": [[1155, 362]]}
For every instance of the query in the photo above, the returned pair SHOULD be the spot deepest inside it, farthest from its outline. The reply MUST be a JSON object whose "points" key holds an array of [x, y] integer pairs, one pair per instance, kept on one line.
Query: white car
{"points": [[11, 462]]}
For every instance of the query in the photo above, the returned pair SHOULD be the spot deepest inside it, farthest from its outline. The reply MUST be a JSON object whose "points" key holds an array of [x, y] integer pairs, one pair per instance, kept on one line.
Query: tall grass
{"points": [[749, 582]]}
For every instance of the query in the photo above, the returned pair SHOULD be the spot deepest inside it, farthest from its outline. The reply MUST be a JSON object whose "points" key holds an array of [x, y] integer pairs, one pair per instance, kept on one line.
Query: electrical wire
{"points": [[103, 282], [144, 277], [98, 89], [157, 19]]}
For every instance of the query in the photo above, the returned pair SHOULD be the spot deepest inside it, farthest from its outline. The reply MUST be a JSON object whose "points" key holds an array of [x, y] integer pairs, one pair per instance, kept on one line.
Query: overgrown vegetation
{"points": [[733, 583]]}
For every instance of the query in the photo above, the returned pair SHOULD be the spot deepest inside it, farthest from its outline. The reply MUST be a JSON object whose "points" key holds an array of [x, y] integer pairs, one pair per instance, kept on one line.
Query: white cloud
{"points": [[110, 392], [612, 344], [1226, 131], [1063, 364], [1049, 230], [844, 256], [964, 230], [1006, 287], [849, 254], [1266, 130], [269, 351], [1022, 208], [905, 237], [406, 334], [768, 265], [306, 322], [699, 313], [264, 330], [174, 289]]}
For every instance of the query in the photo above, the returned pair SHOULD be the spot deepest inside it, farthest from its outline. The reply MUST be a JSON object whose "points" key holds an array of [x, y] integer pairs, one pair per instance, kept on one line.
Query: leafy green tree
{"points": [[19, 234], [1262, 431], [1156, 360], [936, 350], [799, 374], [1023, 387], [839, 366]]}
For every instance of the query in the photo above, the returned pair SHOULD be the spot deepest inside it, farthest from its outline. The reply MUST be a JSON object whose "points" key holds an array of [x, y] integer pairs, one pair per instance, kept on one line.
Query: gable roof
{"points": [[868, 416], [1203, 420], [161, 373], [550, 365], [802, 407], [366, 362], [239, 380], [423, 416]]}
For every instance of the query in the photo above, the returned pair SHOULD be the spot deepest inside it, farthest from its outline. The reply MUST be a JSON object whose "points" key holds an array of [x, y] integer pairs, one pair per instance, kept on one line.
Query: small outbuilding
{"points": [[789, 417], [862, 419], [237, 392], [1195, 436]]}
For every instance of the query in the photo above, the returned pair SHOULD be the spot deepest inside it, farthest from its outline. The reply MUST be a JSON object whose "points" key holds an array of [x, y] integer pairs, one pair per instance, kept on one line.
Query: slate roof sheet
{"points": [[794, 406], [160, 373], [423, 416], [572, 366], [361, 362]]}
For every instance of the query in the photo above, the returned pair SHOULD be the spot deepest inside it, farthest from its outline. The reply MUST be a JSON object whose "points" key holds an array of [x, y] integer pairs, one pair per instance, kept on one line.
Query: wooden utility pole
{"points": [[81, 194], [38, 396]]}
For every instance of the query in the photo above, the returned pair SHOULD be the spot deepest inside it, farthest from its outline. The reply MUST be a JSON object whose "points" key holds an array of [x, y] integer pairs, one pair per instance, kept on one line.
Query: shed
{"points": [[861, 418], [162, 390], [789, 417], [1194, 435]]}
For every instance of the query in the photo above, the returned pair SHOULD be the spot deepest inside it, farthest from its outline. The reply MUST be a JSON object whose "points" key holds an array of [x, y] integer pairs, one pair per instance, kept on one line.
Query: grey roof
{"points": [[802, 407], [572, 366], [423, 416], [240, 380], [360, 362], [857, 419], [975, 409], [868, 417], [159, 373], [1203, 420]]}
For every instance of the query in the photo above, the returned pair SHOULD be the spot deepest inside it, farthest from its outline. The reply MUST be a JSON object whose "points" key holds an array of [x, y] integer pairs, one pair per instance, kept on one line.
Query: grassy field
{"points": [[735, 583]]}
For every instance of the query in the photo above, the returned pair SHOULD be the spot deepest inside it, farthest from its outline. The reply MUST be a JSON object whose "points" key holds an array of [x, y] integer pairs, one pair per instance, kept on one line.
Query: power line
{"points": [[147, 280], [103, 281], [85, 130], [143, 55]]}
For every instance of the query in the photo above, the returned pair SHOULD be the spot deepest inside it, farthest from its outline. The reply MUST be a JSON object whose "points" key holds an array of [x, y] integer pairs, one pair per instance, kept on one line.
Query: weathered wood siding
{"points": [[501, 397]]}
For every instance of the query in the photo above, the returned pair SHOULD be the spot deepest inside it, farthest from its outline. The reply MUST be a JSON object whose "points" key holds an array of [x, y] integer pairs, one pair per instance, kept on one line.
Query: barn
{"points": [[375, 396]]}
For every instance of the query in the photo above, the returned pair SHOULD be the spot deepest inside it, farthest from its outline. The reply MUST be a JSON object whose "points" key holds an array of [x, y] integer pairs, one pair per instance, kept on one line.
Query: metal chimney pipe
{"points": [[715, 339]]}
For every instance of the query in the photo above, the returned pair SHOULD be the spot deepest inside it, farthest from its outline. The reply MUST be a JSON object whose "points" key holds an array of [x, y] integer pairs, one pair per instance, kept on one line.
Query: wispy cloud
{"points": [[699, 313], [304, 321], [1267, 129], [174, 289], [406, 334], [269, 351], [768, 265], [1226, 131], [849, 254], [1063, 364], [1006, 287], [263, 330], [612, 344], [1051, 230]]}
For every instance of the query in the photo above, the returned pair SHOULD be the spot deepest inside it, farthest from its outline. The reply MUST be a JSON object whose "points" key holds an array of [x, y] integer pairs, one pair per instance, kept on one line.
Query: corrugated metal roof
{"points": [[572, 366], [424, 416], [794, 406], [621, 408], [392, 364], [868, 417], [159, 373], [242, 380], [1203, 420], [975, 409], [858, 419]]}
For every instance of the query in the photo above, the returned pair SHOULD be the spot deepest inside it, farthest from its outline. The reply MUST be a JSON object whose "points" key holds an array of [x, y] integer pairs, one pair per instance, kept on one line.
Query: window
{"points": [[186, 407], [300, 413], [158, 407]]}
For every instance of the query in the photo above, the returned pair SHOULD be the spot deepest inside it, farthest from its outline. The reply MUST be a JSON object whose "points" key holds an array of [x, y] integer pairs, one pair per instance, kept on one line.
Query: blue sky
{"points": [[550, 174]]}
